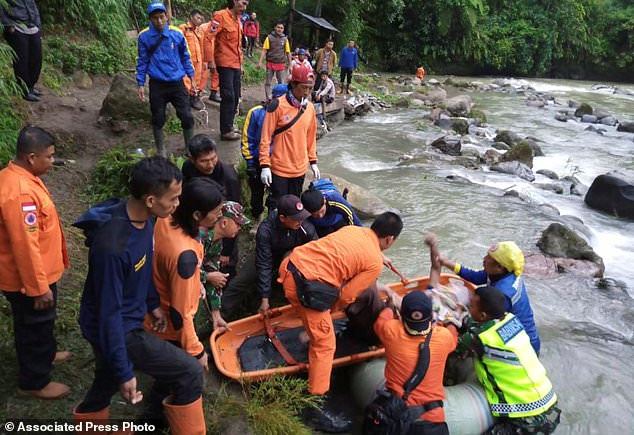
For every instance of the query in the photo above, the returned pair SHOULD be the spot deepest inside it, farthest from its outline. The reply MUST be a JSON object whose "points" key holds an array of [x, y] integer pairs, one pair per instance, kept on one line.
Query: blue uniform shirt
{"points": [[517, 301], [119, 288], [170, 61], [339, 213]]}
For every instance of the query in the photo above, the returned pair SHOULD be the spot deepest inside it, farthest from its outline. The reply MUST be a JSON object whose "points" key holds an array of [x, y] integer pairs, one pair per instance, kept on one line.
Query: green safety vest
{"points": [[514, 380]]}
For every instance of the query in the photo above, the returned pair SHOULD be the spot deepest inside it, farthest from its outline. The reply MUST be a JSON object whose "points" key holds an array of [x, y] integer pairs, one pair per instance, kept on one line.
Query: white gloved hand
{"points": [[266, 177], [316, 172]]}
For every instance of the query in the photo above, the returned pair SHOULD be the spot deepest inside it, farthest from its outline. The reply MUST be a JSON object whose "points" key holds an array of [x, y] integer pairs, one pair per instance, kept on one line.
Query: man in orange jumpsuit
{"points": [[32, 259], [348, 261], [402, 339], [284, 165], [214, 84], [223, 52], [194, 35]]}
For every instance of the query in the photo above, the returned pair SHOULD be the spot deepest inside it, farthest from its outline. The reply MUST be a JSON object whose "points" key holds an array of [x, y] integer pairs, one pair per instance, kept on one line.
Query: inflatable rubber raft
{"points": [[258, 347], [466, 407]]}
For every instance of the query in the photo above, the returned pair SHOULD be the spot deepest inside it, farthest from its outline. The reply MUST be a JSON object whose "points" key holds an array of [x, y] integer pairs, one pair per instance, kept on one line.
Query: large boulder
{"points": [[514, 168], [122, 102], [435, 96], [522, 152], [560, 241], [612, 193], [448, 145], [82, 80], [460, 105], [583, 109], [508, 137], [364, 203], [542, 266], [626, 126], [537, 150]]}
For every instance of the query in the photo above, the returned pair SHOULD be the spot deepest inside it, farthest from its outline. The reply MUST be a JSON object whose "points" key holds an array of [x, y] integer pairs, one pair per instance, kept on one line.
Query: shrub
{"points": [[111, 174], [10, 110]]}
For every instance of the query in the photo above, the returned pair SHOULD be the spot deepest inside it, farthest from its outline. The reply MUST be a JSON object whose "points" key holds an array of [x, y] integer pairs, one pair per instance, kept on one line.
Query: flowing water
{"points": [[587, 333]]}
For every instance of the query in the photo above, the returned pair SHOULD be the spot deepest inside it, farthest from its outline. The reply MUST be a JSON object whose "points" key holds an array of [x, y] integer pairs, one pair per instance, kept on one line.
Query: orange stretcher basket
{"points": [[225, 345]]}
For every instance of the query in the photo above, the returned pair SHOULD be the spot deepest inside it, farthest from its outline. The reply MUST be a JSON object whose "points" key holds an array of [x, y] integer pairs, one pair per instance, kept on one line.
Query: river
{"points": [[587, 333]]}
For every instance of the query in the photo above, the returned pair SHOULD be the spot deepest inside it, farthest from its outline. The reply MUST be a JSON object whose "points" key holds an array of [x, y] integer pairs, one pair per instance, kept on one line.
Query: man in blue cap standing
{"points": [[163, 55]]}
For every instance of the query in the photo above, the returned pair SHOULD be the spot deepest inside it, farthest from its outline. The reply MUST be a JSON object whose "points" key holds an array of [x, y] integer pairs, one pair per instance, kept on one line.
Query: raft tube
{"points": [[466, 407]]}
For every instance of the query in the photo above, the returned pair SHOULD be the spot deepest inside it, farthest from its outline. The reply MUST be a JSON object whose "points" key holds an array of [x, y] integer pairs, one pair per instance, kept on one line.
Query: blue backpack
{"points": [[325, 185]]}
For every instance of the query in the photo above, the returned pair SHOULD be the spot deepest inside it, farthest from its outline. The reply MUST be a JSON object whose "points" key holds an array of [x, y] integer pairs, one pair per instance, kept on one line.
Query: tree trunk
{"points": [[290, 21]]}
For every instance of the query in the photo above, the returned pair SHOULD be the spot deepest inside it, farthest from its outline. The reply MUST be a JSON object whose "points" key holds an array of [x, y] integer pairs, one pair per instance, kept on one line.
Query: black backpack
{"points": [[389, 414]]}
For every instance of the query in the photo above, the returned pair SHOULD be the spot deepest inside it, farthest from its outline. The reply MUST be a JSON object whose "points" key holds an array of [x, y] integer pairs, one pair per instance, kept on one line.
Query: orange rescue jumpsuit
{"points": [[349, 259], [295, 147], [420, 73], [223, 40], [194, 37], [32, 245], [401, 355], [214, 86], [176, 271]]}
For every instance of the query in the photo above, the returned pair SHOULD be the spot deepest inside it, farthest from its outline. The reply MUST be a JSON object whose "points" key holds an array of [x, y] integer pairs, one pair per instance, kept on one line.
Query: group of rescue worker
{"points": [[154, 254]]}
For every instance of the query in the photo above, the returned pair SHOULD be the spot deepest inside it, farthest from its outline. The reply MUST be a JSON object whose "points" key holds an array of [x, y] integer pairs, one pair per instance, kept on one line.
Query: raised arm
{"points": [[434, 257]]}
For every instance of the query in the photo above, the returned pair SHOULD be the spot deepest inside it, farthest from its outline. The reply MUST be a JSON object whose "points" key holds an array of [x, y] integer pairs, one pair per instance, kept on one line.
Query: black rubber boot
{"points": [[188, 133], [324, 420], [159, 141], [213, 96]]}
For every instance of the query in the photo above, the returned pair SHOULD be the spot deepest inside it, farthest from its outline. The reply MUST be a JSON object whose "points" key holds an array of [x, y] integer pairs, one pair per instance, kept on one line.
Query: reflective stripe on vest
{"points": [[507, 408], [514, 380]]}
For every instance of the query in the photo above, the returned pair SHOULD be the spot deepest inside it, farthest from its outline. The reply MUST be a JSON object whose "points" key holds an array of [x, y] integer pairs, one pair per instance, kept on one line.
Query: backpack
{"points": [[389, 414], [325, 185]]}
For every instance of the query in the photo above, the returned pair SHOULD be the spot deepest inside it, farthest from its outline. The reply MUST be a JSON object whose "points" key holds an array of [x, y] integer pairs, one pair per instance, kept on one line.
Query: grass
{"points": [[271, 407]]}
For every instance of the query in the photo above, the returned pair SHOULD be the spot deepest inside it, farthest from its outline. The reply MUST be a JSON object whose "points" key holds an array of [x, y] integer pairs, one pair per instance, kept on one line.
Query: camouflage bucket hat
{"points": [[233, 210]]}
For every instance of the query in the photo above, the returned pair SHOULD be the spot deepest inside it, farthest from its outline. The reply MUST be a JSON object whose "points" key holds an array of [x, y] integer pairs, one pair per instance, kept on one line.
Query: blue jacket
{"points": [[119, 288], [517, 301], [251, 133], [349, 58], [170, 61], [339, 213]]}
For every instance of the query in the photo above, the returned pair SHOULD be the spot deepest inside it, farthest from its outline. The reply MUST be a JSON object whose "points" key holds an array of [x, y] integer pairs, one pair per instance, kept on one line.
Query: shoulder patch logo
{"points": [[30, 218], [510, 330], [140, 264]]}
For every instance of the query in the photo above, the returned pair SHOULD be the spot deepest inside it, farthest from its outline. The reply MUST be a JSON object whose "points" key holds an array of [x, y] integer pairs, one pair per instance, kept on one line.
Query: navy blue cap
{"points": [[156, 7], [416, 310]]}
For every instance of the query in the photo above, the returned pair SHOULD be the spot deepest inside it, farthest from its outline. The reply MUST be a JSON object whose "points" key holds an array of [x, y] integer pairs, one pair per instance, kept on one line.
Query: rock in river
{"points": [[366, 205], [448, 145], [522, 152], [514, 168], [460, 105], [612, 193], [560, 241], [548, 173], [626, 126]]}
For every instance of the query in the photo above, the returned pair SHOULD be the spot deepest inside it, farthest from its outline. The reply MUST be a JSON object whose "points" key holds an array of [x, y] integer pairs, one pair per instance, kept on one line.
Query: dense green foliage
{"points": [[558, 38], [111, 175]]}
